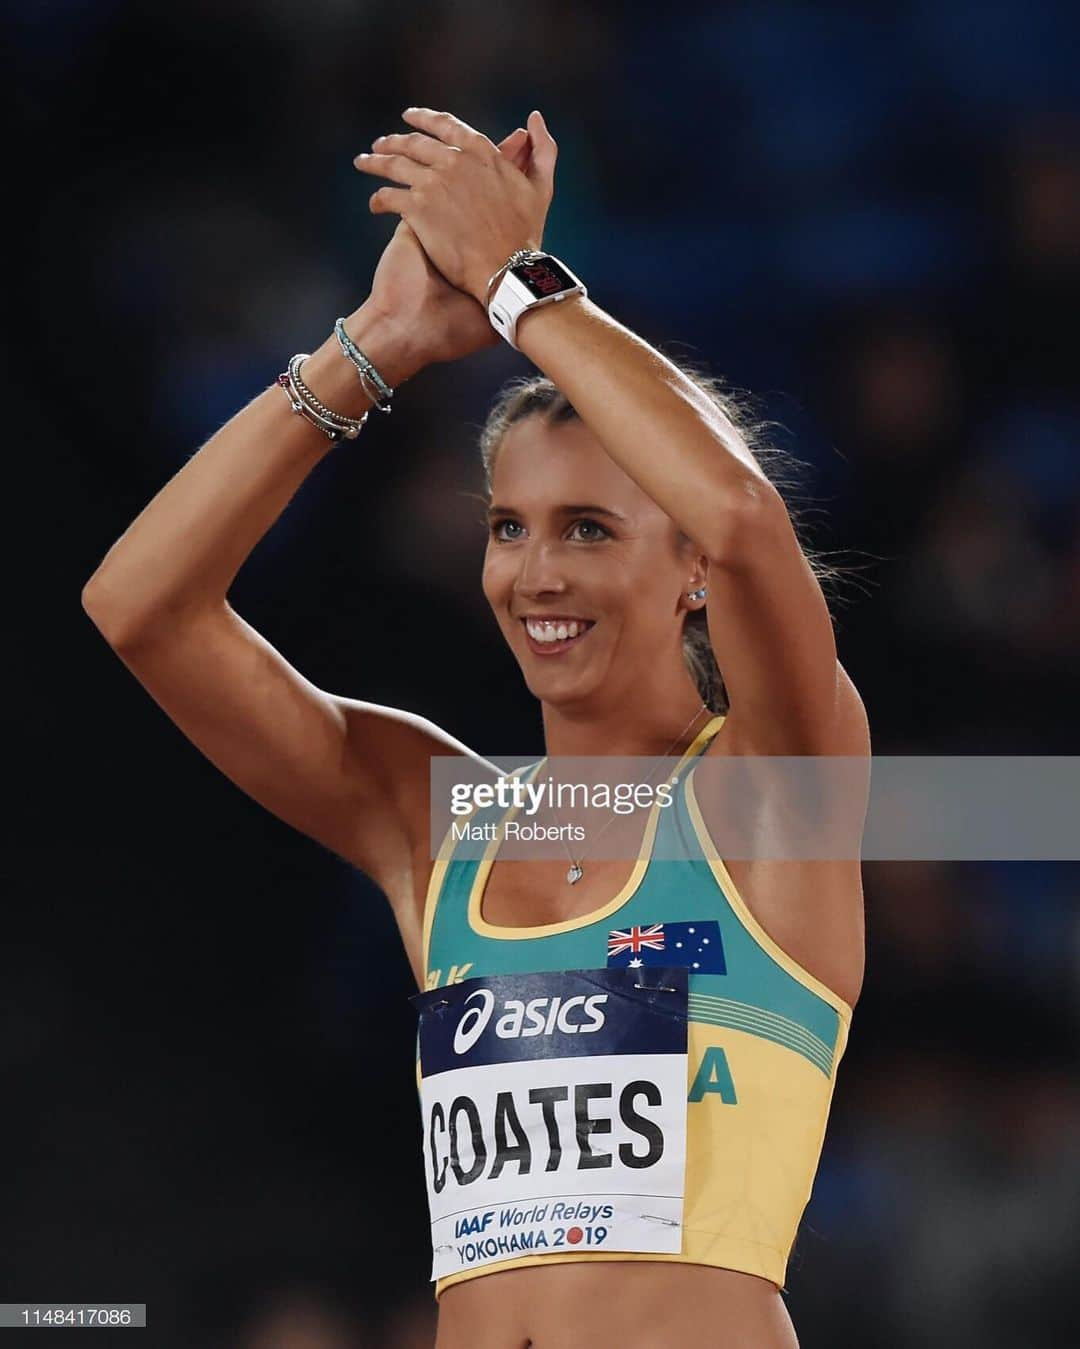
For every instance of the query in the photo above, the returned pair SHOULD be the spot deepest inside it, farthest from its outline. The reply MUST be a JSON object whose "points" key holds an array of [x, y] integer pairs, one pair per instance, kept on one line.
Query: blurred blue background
{"points": [[868, 215]]}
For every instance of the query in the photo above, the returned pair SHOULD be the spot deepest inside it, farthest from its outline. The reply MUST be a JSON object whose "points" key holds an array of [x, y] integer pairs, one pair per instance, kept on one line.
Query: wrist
{"points": [[385, 343], [391, 345], [480, 286], [531, 282]]}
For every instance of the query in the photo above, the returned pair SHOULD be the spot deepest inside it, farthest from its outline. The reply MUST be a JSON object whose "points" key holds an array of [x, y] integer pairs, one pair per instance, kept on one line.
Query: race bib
{"points": [[554, 1113]]}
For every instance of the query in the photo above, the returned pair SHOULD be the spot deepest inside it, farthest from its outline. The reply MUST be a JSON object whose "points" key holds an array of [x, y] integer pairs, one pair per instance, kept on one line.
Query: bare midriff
{"points": [[635, 1304]]}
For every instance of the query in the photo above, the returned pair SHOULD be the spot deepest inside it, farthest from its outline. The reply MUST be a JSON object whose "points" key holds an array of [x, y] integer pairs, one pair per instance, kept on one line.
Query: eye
{"points": [[499, 528], [593, 530]]}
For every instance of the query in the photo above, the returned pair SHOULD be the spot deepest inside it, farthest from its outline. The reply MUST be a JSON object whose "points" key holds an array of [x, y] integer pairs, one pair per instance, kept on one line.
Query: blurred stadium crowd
{"points": [[867, 215]]}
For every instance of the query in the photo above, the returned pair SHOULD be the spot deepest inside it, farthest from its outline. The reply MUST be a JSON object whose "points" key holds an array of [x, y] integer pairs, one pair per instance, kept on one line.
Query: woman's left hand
{"points": [[466, 203]]}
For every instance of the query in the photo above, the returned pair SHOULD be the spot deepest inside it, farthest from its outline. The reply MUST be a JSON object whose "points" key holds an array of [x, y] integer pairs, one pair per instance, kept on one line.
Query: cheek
{"points": [[646, 598], [495, 581]]}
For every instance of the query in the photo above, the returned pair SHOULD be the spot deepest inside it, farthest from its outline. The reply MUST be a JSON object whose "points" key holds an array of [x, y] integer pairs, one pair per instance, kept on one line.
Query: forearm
{"points": [[656, 424], [471, 210], [182, 552]]}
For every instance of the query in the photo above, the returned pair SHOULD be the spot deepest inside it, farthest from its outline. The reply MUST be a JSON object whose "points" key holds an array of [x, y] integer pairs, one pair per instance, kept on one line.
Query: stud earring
{"points": [[696, 594]]}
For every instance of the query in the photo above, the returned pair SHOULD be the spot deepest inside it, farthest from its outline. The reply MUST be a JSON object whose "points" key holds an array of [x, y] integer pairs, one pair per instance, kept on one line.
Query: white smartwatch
{"points": [[529, 279]]}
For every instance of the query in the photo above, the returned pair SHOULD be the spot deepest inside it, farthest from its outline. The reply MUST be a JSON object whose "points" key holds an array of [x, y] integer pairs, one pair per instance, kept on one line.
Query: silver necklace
{"points": [[576, 869]]}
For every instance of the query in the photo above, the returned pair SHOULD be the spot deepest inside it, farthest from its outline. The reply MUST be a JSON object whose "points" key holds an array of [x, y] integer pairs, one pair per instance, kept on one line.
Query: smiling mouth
{"points": [[549, 636]]}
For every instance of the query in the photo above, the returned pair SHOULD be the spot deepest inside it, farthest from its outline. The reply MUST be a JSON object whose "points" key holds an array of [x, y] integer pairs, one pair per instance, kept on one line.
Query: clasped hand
{"points": [[468, 202]]}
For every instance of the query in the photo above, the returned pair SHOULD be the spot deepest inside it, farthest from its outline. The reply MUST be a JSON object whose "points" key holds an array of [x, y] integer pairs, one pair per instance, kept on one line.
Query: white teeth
{"points": [[554, 632]]}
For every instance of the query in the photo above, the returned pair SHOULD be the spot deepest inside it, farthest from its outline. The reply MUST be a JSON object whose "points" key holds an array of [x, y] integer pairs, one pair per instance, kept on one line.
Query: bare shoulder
{"points": [[403, 741], [391, 840], [849, 733], [812, 910], [397, 747], [853, 724]]}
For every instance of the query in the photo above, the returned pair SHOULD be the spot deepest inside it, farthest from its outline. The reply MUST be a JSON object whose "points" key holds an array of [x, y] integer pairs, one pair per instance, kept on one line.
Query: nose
{"points": [[540, 571]]}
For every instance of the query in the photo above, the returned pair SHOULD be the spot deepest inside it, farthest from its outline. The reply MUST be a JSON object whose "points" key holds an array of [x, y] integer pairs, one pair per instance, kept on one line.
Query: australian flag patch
{"points": [[696, 945]]}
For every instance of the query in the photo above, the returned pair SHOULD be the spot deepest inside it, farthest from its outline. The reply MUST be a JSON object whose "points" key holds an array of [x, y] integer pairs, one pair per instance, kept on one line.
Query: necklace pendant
{"points": [[574, 873]]}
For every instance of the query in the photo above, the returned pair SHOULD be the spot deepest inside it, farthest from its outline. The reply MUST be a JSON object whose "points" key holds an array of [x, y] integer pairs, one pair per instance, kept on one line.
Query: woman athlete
{"points": [[623, 501]]}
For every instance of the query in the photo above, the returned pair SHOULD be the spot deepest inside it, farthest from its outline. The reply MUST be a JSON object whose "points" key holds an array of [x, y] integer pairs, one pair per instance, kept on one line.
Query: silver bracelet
{"points": [[339, 418], [303, 402], [375, 386], [518, 255]]}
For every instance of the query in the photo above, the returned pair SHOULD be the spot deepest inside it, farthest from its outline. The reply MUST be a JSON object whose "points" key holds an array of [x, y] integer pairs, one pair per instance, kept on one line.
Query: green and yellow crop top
{"points": [[717, 1172]]}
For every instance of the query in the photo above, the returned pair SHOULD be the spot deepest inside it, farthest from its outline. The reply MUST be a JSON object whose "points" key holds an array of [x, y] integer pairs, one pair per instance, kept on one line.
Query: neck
{"points": [[628, 729]]}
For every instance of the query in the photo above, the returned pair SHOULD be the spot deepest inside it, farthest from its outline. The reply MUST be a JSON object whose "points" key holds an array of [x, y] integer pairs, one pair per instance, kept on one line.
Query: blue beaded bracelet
{"points": [[375, 386]]}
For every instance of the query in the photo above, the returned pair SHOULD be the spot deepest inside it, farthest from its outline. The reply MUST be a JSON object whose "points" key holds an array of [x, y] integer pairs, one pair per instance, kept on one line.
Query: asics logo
{"points": [[538, 1016], [471, 1026]]}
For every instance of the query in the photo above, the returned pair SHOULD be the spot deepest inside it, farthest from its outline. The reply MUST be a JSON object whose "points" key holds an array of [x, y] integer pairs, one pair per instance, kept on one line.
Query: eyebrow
{"points": [[583, 509]]}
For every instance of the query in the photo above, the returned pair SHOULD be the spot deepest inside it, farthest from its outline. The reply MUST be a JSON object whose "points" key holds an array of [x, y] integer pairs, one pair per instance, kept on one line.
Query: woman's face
{"points": [[583, 571]]}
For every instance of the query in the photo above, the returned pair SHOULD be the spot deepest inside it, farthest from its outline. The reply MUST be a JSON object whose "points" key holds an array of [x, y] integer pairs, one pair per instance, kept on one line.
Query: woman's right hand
{"points": [[411, 294]]}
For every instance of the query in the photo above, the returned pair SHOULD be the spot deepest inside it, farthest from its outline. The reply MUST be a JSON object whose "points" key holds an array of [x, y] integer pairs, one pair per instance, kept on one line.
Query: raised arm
{"points": [[351, 774], [768, 620]]}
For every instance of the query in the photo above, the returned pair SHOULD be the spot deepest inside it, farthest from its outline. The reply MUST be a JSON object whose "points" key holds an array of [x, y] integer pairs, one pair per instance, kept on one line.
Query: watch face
{"points": [[543, 277]]}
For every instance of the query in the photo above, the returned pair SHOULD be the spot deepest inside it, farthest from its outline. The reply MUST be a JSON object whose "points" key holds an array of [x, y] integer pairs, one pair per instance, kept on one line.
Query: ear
{"points": [[696, 578]]}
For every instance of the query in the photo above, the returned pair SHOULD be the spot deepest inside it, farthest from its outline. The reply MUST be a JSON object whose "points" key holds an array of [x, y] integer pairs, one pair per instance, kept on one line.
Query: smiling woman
{"points": [[535, 398], [636, 1175]]}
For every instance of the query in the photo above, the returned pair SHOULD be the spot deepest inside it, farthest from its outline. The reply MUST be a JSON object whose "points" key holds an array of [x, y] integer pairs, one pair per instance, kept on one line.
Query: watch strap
{"points": [[529, 278]]}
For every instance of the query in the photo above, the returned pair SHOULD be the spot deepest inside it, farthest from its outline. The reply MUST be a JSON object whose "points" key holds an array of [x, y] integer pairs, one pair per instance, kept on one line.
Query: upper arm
{"points": [[352, 775], [772, 636]]}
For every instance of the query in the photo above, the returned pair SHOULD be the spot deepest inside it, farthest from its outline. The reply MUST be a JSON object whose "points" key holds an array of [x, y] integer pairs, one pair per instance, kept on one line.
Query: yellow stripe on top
{"points": [[434, 886], [742, 912], [436, 880]]}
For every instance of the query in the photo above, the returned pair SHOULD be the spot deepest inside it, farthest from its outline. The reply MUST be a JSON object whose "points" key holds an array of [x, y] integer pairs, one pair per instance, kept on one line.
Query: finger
{"points": [[395, 167], [448, 129], [389, 201], [424, 149], [544, 153], [509, 144], [515, 148], [523, 156]]}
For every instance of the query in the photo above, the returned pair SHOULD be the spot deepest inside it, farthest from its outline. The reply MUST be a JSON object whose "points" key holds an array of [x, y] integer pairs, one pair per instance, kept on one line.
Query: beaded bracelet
{"points": [[375, 386], [303, 402]]}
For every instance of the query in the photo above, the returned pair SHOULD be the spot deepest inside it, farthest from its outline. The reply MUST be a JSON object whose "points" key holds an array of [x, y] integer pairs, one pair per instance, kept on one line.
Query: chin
{"points": [[560, 692], [552, 682]]}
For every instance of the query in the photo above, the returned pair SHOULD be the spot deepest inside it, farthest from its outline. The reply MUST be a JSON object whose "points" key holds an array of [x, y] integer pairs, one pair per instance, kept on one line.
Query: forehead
{"points": [[539, 466]]}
